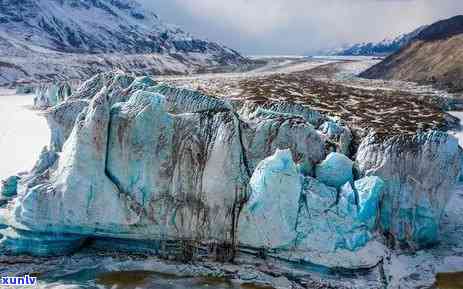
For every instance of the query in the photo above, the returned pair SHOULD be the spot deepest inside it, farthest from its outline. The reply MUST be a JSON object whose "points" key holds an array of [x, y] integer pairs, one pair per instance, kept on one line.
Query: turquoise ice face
{"points": [[370, 190], [334, 222], [270, 216]]}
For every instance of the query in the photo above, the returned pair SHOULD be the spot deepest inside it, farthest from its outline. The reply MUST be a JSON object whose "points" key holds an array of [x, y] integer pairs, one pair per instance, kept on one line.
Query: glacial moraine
{"points": [[388, 112]]}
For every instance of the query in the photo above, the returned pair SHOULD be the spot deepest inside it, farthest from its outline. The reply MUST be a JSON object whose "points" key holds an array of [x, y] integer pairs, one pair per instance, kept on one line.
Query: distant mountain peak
{"points": [[385, 47]]}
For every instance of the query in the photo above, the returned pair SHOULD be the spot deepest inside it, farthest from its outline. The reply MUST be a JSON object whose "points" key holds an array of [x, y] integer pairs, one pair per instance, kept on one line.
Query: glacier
{"points": [[133, 159]]}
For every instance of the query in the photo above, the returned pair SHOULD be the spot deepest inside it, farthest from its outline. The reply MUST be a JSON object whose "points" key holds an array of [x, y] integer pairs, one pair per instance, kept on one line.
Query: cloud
{"points": [[297, 26]]}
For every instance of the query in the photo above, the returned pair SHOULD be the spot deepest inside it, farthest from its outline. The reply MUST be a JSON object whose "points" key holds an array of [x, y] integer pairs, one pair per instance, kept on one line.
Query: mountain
{"points": [[98, 35], [434, 57], [385, 47]]}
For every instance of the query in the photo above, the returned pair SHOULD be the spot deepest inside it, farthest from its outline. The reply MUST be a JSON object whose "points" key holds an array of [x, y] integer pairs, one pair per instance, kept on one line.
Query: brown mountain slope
{"points": [[434, 57]]}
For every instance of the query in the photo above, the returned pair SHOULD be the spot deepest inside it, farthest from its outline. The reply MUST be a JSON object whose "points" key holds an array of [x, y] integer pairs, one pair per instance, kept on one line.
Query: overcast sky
{"points": [[299, 26]]}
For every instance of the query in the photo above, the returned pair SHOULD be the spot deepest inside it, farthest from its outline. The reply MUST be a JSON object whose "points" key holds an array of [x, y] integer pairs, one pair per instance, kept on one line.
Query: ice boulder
{"points": [[10, 186], [270, 216], [335, 170], [331, 229]]}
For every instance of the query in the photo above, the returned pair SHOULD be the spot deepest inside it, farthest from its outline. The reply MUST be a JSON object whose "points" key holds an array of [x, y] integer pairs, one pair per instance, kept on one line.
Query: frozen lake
{"points": [[23, 133]]}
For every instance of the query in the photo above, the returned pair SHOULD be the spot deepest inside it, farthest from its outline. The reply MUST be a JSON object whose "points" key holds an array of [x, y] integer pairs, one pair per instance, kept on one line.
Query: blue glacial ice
{"points": [[335, 170], [289, 210], [41, 244], [270, 216]]}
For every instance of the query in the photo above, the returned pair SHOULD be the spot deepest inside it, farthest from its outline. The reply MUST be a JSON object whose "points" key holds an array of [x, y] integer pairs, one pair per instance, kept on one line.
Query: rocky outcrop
{"points": [[134, 159], [420, 172]]}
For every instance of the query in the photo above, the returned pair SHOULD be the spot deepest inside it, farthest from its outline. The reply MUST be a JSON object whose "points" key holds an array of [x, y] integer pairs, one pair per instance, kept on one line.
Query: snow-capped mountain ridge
{"points": [[384, 47], [43, 39], [95, 26]]}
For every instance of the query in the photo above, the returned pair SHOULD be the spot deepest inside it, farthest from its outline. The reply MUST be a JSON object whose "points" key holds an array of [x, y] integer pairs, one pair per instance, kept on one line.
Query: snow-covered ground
{"points": [[23, 133]]}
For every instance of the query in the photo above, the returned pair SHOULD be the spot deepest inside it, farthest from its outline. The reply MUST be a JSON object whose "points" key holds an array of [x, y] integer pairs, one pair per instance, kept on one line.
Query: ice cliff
{"points": [[139, 160], [48, 95], [420, 172]]}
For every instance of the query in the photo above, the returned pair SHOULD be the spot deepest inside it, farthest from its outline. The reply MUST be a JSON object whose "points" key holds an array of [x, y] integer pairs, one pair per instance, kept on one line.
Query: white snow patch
{"points": [[23, 133]]}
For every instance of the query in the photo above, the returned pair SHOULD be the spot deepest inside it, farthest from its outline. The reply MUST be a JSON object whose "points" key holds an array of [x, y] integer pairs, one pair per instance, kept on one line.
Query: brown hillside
{"points": [[427, 60]]}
